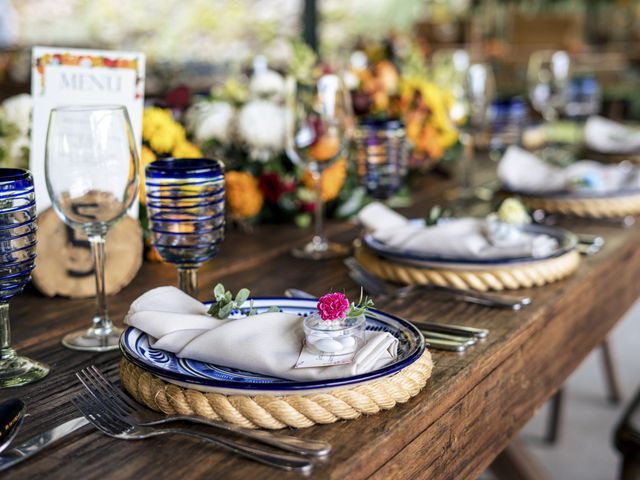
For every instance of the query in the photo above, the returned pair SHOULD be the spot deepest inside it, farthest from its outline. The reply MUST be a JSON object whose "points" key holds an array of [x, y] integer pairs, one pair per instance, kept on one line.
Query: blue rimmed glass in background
{"points": [[185, 208], [508, 118], [381, 156], [17, 259]]}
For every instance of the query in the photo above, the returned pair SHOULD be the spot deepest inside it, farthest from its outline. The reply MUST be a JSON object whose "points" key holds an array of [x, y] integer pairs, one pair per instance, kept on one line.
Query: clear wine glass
{"points": [[319, 125], [17, 259], [548, 79], [479, 89], [91, 169]]}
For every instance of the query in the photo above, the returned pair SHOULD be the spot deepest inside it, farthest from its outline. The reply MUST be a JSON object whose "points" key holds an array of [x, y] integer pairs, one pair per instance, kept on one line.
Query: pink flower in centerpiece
{"points": [[333, 306]]}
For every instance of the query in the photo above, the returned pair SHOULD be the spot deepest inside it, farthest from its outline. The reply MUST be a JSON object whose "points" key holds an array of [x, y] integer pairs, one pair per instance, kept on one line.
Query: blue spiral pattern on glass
{"points": [[17, 231], [185, 207], [381, 156]]}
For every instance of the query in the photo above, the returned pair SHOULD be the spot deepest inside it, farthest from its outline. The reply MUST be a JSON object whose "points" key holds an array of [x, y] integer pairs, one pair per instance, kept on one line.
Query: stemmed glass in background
{"points": [[17, 259], [319, 125], [548, 78], [479, 90], [91, 168], [185, 207]]}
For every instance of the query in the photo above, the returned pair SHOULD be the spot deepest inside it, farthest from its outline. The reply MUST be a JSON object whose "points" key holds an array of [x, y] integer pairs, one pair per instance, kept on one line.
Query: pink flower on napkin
{"points": [[333, 306]]}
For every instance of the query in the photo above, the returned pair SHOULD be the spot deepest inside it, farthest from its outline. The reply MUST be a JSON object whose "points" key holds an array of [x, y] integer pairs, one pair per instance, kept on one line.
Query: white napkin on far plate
{"points": [[462, 238], [522, 171], [267, 343], [606, 136]]}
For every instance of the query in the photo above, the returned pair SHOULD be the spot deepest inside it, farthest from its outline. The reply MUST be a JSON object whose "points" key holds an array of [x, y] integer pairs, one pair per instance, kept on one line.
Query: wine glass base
{"points": [[89, 341], [16, 371], [321, 251]]}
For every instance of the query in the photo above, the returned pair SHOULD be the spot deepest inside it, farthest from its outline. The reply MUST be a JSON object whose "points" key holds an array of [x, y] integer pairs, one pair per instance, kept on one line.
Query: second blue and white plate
{"points": [[567, 241], [207, 377]]}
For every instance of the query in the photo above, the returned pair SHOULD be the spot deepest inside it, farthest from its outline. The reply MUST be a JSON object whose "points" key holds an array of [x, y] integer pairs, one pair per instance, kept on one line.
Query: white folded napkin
{"points": [[606, 136], [268, 343], [463, 238], [521, 171]]}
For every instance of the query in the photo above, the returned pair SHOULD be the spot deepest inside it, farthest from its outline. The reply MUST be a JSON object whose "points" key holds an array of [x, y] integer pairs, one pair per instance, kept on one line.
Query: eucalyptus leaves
{"points": [[225, 304]]}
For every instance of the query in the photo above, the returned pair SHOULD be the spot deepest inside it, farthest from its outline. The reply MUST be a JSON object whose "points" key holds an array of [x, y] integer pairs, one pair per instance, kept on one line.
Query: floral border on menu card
{"points": [[88, 61]]}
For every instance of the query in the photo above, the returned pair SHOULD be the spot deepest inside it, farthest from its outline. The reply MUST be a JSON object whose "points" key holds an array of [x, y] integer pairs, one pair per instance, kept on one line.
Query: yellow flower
{"points": [[244, 199], [186, 150], [513, 211], [331, 181], [161, 131], [146, 157]]}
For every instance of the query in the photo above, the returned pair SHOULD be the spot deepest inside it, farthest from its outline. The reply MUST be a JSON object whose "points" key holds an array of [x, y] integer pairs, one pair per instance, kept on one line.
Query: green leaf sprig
{"points": [[225, 303], [360, 308]]}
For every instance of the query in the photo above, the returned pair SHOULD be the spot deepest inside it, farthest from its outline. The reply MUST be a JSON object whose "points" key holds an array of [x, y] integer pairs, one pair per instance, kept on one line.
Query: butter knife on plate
{"points": [[39, 442]]}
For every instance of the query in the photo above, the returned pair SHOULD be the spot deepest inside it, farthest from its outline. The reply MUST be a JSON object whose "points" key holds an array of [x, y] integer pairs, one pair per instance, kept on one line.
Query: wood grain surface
{"points": [[473, 405]]}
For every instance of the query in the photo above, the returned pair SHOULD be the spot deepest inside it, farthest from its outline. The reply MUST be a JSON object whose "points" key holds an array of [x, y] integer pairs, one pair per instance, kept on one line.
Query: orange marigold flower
{"points": [[331, 181], [244, 199]]}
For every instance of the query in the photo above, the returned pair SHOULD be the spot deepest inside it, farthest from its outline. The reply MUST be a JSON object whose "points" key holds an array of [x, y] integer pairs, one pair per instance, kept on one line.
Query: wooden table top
{"points": [[470, 409]]}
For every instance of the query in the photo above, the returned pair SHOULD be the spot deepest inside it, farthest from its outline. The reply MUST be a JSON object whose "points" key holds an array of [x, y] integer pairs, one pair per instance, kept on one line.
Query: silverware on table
{"points": [[38, 443], [118, 426], [381, 288], [109, 395], [540, 216], [12, 413], [434, 338]]}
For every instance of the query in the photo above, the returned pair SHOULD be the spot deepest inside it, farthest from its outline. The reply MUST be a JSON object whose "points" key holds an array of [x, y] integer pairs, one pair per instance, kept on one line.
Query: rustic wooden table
{"points": [[472, 407]]}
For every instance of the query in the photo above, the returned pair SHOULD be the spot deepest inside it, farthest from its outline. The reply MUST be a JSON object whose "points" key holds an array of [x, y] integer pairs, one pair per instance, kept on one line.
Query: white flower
{"points": [[261, 127], [17, 110], [210, 121], [267, 84]]}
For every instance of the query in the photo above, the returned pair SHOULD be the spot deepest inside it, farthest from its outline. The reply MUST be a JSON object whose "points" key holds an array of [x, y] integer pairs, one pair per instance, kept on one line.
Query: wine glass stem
{"points": [[318, 237], [188, 280], [466, 181], [5, 333], [101, 323]]}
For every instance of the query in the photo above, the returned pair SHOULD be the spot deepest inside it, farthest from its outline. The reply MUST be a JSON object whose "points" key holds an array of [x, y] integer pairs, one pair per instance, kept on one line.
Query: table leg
{"points": [[515, 463], [615, 392], [555, 417]]}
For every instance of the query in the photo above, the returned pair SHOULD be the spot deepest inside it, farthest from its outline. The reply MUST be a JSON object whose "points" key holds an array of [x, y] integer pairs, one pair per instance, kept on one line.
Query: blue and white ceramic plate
{"points": [[566, 241], [187, 373]]}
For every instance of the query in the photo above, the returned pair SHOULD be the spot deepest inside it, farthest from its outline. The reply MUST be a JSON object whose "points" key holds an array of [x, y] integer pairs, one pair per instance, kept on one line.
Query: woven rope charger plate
{"points": [[274, 412], [589, 207], [507, 277]]}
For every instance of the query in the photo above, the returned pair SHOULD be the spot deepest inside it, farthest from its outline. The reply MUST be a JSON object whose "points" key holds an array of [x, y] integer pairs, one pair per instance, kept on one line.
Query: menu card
{"points": [[71, 76]]}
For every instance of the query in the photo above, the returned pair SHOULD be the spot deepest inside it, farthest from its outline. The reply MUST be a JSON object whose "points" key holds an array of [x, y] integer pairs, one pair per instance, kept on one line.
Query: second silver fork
{"points": [[105, 392]]}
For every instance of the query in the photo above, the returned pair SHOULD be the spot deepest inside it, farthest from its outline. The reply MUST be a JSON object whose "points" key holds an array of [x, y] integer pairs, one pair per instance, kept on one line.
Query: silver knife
{"points": [[32, 446]]}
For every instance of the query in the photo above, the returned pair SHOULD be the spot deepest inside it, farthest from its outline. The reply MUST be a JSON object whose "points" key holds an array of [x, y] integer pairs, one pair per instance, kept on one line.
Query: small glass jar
{"points": [[338, 337]]}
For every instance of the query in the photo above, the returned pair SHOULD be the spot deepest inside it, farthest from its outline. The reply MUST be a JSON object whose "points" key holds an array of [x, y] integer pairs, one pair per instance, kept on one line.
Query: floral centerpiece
{"points": [[243, 122], [15, 125], [404, 90]]}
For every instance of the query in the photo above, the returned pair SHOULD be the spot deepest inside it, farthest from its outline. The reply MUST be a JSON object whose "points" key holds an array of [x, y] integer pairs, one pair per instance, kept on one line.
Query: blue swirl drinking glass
{"points": [[17, 259], [381, 156], [185, 208]]}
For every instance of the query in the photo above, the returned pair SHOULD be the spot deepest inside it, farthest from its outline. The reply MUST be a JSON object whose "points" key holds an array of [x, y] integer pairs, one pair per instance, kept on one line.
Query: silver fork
{"points": [[378, 287], [105, 392], [110, 423]]}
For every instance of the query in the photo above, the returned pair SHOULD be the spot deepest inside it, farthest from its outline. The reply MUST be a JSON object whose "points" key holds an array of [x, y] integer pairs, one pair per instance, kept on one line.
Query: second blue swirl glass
{"points": [[17, 260], [185, 208]]}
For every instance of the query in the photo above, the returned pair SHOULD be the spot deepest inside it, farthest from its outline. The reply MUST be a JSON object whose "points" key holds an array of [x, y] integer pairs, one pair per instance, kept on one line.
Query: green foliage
{"points": [[225, 303], [360, 308]]}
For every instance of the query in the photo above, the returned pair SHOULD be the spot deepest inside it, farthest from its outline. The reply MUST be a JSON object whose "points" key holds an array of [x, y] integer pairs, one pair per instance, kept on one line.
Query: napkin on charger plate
{"points": [[606, 136], [462, 238], [267, 343], [522, 171]]}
